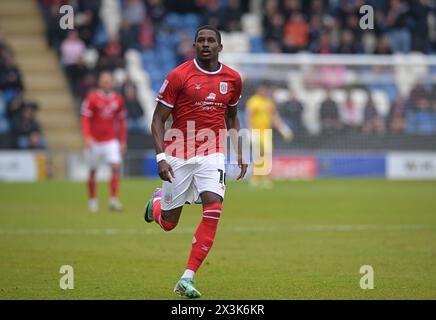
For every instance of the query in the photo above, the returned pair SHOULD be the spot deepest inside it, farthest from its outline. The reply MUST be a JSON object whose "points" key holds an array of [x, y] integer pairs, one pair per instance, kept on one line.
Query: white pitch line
{"points": [[237, 229]]}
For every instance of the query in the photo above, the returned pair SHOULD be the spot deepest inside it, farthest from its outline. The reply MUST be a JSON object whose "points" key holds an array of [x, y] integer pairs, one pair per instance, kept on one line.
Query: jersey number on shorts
{"points": [[222, 176]]}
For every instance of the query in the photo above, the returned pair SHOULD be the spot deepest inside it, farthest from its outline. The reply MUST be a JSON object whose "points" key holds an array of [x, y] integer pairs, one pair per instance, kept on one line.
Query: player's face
{"points": [[106, 82], [207, 46]]}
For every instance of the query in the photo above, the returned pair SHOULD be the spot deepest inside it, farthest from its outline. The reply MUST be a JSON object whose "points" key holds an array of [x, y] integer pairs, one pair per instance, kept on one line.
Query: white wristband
{"points": [[160, 157]]}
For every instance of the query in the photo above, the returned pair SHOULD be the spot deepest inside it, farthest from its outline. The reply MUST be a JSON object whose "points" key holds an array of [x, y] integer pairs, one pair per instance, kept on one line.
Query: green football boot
{"points": [[148, 209], [185, 288]]}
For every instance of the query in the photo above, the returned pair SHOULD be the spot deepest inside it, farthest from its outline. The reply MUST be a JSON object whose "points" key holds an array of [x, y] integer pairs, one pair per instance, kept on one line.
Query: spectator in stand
{"points": [[135, 113], [315, 28], [274, 32], [397, 21], [146, 34], [396, 118], [420, 11], [419, 116], [92, 5], [292, 113], [350, 115], [4, 123], [271, 7], [343, 11], [348, 44], [433, 98], [372, 121], [383, 46], [87, 83], [212, 14], [231, 19], [290, 7], [55, 35], [316, 9], [329, 116], [10, 77], [296, 33], [72, 50], [185, 50], [15, 107], [156, 11], [134, 13], [26, 130], [127, 35], [322, 45], [418, 96], [87, 26], [112, 55]]}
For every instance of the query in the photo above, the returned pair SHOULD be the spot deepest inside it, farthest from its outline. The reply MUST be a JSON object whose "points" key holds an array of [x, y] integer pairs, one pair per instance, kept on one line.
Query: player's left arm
{"points": [[122, 114], [233, 125]]}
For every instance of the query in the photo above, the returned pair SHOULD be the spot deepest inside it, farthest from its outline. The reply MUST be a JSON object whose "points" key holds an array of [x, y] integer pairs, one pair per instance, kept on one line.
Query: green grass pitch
{"points": [[299, 240]]}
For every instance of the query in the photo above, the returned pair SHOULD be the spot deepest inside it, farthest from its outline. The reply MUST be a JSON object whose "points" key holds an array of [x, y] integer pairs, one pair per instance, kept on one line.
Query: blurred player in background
{"points": [[205, 92], [103, 119], [261, 114]]}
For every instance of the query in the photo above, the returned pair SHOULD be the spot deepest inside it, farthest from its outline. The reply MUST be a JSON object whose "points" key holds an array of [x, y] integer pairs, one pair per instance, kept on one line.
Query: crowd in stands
{"points": [[415, 115], [144, 26], [322, 26], [162, 31], [17, 113]]}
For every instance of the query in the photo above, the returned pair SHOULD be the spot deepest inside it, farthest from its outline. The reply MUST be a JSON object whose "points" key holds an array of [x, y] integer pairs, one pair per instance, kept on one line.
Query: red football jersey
{"points": [[103, 116], [199, 99]]}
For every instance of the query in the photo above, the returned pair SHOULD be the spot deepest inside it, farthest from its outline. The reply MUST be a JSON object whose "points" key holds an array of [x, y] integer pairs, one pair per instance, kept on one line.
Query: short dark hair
{"points": [[208, 27]]}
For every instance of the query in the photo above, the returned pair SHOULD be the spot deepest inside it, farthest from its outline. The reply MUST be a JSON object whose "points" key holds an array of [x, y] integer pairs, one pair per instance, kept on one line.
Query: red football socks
{"points": [[92, 186], [157, 215], [204, 236], [114, 183]]}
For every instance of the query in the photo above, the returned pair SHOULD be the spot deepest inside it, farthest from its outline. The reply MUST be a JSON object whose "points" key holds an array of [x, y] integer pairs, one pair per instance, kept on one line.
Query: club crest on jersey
{"points": [[223, 87]]}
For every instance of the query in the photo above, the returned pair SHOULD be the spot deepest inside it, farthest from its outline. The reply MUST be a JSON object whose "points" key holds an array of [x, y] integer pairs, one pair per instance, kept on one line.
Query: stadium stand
{"points": [[19, 127], [141, 41], [44, 83]]}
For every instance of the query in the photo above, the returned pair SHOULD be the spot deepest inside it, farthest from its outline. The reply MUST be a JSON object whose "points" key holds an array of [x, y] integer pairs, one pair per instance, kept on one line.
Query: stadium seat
{"points": [[175, 21], [110, 14], [101, 37], [4, 125], [312, 100], [192, 21], [236, 42], [251, 25], [381, 101], [2, 104], [90, 58], [359, 98], [256, 45]]}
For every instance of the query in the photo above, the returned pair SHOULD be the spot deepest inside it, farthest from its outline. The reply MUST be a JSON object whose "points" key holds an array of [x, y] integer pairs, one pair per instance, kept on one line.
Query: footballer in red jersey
{"points": [[201, 95], [103, 118]]}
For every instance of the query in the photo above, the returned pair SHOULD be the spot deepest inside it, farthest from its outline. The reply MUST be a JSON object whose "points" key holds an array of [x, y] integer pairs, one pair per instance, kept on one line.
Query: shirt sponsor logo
{"points": [[211, 96]]}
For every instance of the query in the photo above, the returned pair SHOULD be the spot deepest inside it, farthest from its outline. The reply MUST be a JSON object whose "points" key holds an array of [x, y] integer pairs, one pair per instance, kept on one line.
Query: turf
{"points": [[299, 240]]}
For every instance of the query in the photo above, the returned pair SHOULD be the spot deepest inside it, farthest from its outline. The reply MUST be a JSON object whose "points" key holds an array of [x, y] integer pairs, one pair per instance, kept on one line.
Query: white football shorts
{"points": [[108, 151], [193, 177]]}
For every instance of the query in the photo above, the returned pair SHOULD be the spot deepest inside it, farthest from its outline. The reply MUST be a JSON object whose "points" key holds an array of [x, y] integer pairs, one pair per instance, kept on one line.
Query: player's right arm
{"points": [[160, 116], [166, 99], [86, 113]]}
